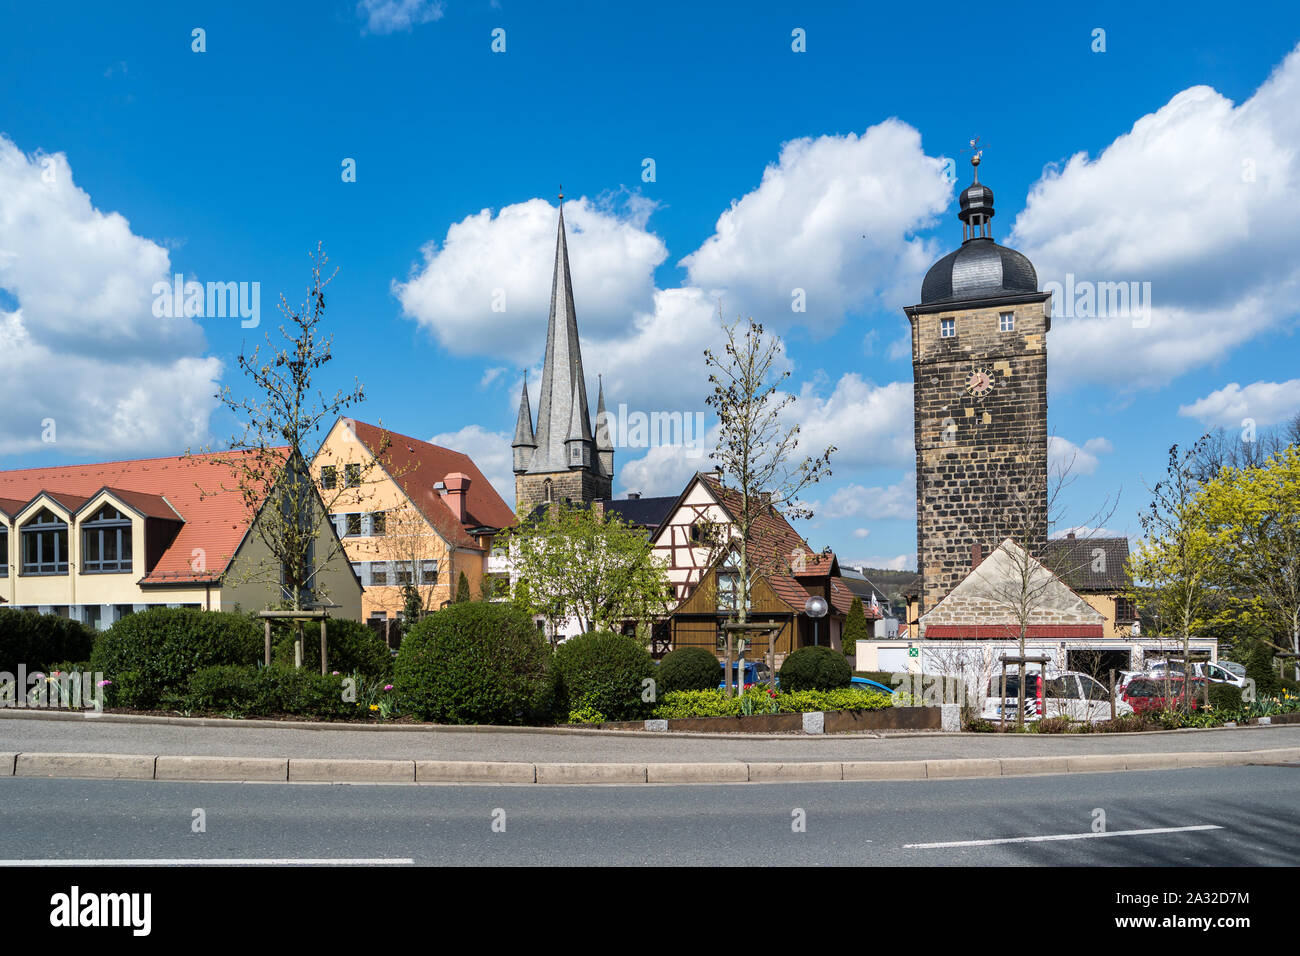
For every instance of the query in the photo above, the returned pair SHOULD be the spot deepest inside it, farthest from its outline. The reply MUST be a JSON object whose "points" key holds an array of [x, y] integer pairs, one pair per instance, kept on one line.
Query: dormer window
{"points": [[45, 544], [106, 542], [947, 328]]}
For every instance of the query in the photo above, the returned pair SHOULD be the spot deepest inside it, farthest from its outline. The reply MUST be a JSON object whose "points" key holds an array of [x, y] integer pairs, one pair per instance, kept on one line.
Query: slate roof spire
{"points": [[563, 397], [525, 442], [604, 446]]}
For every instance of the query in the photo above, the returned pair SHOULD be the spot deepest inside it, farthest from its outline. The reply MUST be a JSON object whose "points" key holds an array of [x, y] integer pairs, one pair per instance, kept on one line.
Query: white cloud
{"points": [[1198, 199], [83, 347], [486, 290], [390, 16], [834, 216], [861, 532], [899, 562], [490, 375], [1266, 403], [869, 424], [856, 501], [489, 450], [1065, 458]]}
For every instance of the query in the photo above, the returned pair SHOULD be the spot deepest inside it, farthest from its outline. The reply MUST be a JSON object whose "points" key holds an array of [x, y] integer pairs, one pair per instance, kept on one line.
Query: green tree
{"points": [[1253, 514], [855, 628], [462, 590], [413, 607], [1174, 565], [578, 561]]}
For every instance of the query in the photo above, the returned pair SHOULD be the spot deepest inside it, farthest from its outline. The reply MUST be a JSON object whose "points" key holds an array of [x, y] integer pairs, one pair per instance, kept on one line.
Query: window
{"points": [[402, 571], [947, 328], [1094, 690], [429, 572], [329, 477], [352, 476], [106, 542], [379, 573], [1007, 322], [45, 544], [4, 551], [352, 524], [378, 522]]}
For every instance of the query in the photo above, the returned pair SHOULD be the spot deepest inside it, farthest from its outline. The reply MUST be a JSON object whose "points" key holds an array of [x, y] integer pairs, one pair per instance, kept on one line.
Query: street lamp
{"points": [[815, 608]]}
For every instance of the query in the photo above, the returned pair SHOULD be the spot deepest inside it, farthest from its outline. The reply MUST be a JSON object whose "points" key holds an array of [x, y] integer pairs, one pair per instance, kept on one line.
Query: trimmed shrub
{"points": [[153, 653], [476, 663], [352, 647], [687, 668], [256, 692], [855, 629], [1225, 698], [604, 671], [815, 668], [40, 640], [1260, 669]]}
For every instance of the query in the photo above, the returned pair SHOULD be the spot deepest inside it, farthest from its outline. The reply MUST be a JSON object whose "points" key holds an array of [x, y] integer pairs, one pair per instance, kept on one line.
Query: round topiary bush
{"points": [[605, 671], [352, 647], [153, 653], [475, 663], [815, 668], [39, 640], [687, 668]]}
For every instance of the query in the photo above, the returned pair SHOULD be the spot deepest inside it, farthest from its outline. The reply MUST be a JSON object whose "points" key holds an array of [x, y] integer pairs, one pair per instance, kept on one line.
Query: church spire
{"points": [[604, 446], [525, 442], [563, 395]]}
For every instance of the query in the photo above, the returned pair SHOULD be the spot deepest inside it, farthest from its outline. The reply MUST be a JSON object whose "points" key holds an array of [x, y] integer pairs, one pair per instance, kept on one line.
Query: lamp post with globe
{"points": [[815, 608]]}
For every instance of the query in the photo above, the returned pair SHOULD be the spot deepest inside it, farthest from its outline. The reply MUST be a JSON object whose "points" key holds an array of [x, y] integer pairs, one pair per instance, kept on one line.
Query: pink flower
{"points": [[336, 673], [104, 683], [388, 687]]}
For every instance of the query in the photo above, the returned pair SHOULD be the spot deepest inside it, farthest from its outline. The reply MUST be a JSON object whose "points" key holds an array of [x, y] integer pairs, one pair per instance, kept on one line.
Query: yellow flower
{"points": [[374, 706]]}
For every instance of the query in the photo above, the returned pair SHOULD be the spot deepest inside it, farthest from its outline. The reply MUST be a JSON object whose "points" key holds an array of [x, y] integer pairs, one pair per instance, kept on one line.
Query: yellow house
{"points": [[97, 542], [409, 514]]}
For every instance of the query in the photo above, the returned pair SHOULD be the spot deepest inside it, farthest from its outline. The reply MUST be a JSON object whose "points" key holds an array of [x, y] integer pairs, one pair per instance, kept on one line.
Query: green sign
{"points": [[913, 652]]}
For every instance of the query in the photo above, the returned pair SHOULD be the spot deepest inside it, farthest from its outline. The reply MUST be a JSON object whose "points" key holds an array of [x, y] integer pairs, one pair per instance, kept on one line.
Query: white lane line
{"points": [[1060, 836], [205, 861]]}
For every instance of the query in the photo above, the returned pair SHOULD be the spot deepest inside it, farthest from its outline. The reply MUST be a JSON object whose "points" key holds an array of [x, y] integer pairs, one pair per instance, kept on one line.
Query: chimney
{"points": [[457, 486], [976, 556], [633, 496], [1070, 536]]}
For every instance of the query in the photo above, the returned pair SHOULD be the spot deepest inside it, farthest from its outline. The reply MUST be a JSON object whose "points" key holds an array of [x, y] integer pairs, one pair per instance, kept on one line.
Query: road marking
{"points": [[1060, 836], [204, 861]]}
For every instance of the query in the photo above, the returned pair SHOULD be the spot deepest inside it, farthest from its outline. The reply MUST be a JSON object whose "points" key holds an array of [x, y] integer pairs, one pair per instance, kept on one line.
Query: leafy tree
{"points": [[1254, 515], [462, 590], [1175, 564], [414, 607], [581, 562], [855, 628]]}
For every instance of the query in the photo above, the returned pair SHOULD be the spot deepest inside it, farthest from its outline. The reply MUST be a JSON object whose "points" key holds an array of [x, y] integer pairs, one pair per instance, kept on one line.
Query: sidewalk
{"points": [[42, 744]]}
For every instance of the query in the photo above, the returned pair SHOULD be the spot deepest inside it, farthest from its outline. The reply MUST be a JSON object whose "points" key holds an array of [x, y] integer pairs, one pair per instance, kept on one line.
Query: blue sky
{"points": [[1170, 157]]}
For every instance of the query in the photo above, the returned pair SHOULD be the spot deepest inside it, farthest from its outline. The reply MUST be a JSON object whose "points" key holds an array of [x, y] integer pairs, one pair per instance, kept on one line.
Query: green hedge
{"points": [[40, 640], [153, 654], [757, 700], [603, 671], [1225, 698], [815, 668], [687, 668], [476, 663], [352, 647], [258, 692]]}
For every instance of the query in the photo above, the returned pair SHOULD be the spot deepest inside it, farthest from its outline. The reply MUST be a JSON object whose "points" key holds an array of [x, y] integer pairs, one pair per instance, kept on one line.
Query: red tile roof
{"points": [[777, 542], [214, 520], [417, 465]]}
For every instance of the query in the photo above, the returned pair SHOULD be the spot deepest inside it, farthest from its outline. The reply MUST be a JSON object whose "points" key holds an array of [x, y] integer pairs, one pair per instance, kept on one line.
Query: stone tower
{"points": [[979, 367], [561, 459]]}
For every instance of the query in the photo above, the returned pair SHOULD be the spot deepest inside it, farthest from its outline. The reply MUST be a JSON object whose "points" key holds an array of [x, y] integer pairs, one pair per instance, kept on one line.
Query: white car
{"points": [[1214, 673], [1072, 694]]}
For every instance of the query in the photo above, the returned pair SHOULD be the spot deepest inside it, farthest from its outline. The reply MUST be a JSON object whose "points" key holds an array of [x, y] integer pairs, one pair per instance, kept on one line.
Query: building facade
{"points": [[97, 542]]}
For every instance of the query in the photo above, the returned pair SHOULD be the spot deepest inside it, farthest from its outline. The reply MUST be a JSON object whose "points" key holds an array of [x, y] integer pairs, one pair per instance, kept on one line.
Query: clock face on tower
{"points": [[979, 382]]}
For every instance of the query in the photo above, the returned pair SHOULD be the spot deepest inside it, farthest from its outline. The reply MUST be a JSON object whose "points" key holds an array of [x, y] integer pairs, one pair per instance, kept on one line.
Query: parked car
{"points": [[1154, 692], [1233, 667], [756, 672], [1214, 673], [863, 683], [1071, 694]]}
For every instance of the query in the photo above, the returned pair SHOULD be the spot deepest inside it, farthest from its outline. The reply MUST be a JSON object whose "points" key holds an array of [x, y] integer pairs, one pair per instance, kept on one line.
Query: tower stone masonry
{"points": [[979, 366]]}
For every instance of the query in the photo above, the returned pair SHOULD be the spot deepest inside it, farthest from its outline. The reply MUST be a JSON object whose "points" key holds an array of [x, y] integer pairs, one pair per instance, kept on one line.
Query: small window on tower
{"points": [[1007, 322], [947, 328]]}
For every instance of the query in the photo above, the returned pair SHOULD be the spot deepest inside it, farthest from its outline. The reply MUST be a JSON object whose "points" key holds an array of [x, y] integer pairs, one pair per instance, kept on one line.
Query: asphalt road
{"points": [[40, 734], [1257, 811]]}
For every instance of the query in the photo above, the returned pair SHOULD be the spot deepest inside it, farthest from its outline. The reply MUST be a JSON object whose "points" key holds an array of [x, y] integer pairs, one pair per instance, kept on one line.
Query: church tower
{"points": [[979, 367], [561, 459]]}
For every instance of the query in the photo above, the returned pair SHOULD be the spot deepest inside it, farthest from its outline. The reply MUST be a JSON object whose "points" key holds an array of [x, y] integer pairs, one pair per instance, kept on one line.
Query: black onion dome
{"points": [[979, 269]]}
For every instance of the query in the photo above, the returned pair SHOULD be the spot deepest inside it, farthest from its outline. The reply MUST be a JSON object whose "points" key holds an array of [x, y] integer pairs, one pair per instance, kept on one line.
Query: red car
{"points": [[1145, 694]]}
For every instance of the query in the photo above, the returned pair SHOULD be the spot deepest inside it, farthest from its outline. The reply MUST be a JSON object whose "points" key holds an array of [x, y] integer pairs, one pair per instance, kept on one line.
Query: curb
{"points": [[296, 770]]}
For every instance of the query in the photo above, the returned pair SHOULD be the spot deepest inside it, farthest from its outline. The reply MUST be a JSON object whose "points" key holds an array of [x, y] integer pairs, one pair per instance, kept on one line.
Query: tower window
{"points": [[1007, 322], [947, 328]]}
